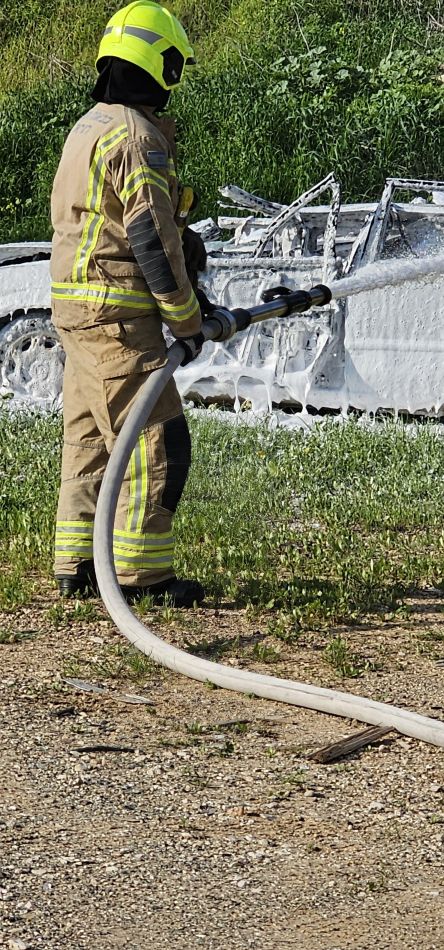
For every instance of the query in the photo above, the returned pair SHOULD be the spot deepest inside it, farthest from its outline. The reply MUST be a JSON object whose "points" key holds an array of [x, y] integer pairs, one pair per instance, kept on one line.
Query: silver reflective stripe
{"points": [[141, 559], [136, 487], [106, 294], [88, 532], [103, 146], [148, 35], [147, 543]]}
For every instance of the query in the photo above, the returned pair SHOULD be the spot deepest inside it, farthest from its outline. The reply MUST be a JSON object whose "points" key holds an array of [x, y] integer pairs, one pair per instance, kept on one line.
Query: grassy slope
{"points": [[284, 92]]}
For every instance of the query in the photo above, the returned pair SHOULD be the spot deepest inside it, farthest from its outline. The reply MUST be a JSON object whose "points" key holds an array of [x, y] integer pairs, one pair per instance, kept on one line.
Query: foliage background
{"points": [[285, 91]]}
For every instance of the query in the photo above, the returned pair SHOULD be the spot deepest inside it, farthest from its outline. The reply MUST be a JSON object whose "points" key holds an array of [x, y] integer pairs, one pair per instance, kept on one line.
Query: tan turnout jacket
{"points": [[117, 177]]}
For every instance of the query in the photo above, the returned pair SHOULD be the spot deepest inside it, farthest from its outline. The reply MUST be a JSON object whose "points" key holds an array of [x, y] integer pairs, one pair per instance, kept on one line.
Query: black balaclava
{"points": [[124, 84]]}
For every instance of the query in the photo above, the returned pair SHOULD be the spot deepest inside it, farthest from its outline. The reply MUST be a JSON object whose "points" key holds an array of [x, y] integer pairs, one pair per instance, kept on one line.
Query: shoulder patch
{"points": [[157, 159]]}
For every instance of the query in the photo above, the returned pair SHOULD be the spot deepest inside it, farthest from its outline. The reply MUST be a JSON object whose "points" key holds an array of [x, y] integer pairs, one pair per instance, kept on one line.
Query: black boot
{"points": [[180, 593], [81, 584]]}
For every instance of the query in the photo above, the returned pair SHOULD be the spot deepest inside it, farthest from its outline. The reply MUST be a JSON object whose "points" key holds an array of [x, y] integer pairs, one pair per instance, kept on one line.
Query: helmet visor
{"points": [[173, 66]]}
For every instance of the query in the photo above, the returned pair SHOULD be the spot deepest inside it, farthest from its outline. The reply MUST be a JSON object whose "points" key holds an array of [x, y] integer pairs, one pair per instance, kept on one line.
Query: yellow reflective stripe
{"points": [[144, 175], [138, 486], [144, 482], [175, 308], [94, 221], [114, 296], [102, 289], [172, 168], [132, 496], [143, 180], [161, 179], [182, 311], [133, 556], [124, 552], [126, 304]]}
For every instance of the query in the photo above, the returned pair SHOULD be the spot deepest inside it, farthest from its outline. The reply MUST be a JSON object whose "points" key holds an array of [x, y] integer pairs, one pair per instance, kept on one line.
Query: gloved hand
{"points": [[194, 253], [206, 307], [192, 346]]}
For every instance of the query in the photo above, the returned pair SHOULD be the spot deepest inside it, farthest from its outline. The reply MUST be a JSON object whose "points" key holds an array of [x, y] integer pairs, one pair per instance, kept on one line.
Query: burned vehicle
{"points": [[381, 349]]}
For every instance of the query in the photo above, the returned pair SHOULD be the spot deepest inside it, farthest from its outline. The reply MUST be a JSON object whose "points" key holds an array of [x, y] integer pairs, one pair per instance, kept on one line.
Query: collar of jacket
{"points": [[165, 123]]}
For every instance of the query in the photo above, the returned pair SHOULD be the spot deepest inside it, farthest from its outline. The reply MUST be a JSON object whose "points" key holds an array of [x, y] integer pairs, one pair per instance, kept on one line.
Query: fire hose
{"points": [[221, 325]]}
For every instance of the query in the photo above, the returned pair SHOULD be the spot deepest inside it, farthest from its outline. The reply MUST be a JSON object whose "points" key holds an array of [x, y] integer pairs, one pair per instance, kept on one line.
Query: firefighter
{"points": [[118, 272]]}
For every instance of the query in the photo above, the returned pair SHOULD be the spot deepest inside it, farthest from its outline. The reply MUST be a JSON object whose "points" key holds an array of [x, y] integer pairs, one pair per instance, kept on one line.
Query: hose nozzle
{"points": [[320, 295], [297, 301]]}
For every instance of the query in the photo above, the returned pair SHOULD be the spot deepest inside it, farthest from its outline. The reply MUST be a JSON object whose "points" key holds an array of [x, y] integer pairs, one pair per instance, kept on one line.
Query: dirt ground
{"points": [[208, 826]]}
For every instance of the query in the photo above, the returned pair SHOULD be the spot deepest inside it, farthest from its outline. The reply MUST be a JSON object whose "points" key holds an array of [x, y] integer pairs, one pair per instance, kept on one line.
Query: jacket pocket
{"points": [[129, 346], [117, 272], [125, 290]]}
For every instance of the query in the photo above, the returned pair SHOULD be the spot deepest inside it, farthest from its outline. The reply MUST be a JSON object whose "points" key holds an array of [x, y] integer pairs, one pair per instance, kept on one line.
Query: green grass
{"points": [[282, 94], [334, 526], [309, 530]]}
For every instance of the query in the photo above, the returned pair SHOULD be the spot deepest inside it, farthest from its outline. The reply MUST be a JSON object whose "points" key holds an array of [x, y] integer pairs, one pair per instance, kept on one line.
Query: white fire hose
{"points": [[222, 325]]}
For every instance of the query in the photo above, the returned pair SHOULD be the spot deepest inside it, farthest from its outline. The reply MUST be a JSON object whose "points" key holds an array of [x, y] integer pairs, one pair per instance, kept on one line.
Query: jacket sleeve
{"points": [[140, 179]]}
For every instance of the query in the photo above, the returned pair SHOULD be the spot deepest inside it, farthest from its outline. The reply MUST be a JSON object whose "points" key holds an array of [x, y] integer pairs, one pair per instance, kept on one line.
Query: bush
{"points": [[33, 128], [285, 94]]}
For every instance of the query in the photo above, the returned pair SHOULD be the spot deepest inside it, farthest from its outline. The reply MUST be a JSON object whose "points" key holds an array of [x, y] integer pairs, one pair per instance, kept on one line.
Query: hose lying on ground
{"points": [[269, 687]]}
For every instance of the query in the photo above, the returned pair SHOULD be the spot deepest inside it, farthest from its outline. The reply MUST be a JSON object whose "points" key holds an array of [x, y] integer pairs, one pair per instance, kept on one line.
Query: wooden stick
{"points": [[330, 753]]}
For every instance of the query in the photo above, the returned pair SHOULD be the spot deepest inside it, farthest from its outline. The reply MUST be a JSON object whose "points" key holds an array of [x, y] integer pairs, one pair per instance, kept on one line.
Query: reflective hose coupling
{"points": [[221, 325]]}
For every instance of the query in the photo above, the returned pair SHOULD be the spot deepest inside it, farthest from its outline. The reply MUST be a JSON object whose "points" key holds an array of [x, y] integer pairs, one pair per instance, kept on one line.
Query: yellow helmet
{"points": [[148, 35]]}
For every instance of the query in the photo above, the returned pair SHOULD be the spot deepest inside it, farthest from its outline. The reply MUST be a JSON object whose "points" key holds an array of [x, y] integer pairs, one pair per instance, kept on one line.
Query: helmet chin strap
{"points": [[123, 83]]}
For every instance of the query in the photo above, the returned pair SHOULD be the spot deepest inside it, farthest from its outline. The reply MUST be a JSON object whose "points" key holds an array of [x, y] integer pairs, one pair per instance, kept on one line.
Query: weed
{"points": [[285, 625], [195, 728], [224, 750], [299, 777], [73, 668], [116, 661], [144, 605], [240, 727], [167, 614], [82, 611], [265, 654], [16, 636], [341, 658], [15, 588]]}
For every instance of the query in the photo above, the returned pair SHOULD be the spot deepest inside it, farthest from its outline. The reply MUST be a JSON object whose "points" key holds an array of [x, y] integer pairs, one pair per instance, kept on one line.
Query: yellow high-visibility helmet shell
{"points": [[140, 33]]}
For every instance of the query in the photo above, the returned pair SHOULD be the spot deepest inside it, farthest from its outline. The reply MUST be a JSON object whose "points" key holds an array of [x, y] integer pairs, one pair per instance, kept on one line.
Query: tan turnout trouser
{"points": [[106, 365]]}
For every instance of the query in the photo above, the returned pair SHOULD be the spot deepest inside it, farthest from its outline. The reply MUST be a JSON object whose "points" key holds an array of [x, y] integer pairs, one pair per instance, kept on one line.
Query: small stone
{"points": [[236, 810], [376, 806]]}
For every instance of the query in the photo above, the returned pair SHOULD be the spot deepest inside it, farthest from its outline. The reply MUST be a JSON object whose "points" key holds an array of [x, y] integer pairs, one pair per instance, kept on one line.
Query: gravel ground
{"points": [[210, 827]]}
